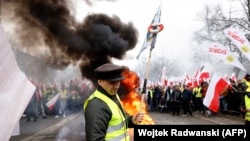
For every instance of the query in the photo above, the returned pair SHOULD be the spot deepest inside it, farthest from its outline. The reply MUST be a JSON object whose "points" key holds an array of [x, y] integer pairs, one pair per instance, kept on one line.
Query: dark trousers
{"points": [[176, 107], [199, 104], [247, 122], [187, 107]]}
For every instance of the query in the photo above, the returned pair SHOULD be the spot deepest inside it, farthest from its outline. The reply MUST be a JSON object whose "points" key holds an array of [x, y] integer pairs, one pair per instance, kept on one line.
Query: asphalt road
{"points": [[71, 128]]}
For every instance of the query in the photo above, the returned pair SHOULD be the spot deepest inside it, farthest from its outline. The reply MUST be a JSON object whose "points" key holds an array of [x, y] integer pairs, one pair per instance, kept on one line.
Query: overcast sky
{"points": [[179, 18]]}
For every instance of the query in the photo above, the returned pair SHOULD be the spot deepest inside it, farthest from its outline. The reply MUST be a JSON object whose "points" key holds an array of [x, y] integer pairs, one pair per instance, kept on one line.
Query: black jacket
{"points": [[97, 117]]}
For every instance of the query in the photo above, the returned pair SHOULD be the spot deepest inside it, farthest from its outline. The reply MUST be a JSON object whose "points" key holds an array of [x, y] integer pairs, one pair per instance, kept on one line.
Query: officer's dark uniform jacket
{"points": [[99, 115]]}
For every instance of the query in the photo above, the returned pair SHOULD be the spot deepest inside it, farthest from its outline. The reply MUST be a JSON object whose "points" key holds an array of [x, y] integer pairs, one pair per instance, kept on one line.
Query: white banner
{"points": [[15, 90], [223, 53], [239, 39]]}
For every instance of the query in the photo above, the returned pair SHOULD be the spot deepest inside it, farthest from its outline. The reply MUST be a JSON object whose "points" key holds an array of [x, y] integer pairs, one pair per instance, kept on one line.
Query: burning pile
{"points": [[131, 100]]}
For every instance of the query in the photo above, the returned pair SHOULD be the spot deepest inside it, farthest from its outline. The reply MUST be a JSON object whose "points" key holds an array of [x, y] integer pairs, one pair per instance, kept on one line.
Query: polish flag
{"points": [[197, 72], [226, 77], [233, 77], [51, 103], [187, 76], [14, 87], [216, 86], [203, 76], [195, 83], [165, 82]]}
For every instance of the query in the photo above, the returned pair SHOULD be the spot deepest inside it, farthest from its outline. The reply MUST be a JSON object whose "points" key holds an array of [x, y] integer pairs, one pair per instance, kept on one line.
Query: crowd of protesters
{"points": [[184, 99], [178, 99], [170, 99], [68, 99]]}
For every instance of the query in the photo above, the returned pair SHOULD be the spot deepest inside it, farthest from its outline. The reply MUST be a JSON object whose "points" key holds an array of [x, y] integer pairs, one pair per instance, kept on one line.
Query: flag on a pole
{"points": [[151, 36], [16, 90], [51, 103], [197, 72], [215, 87], [195, 78], [223, 53], [203, 76], [233, 77], [186, 76], [239, 39], [163, 75]]}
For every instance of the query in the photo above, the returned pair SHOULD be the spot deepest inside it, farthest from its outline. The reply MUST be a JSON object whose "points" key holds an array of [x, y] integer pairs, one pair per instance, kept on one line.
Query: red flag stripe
{"points": [[216, 86]]}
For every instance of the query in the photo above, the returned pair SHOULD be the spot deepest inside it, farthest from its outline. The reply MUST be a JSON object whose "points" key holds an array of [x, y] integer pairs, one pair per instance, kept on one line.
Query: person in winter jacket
{"points": [[105, 118]]}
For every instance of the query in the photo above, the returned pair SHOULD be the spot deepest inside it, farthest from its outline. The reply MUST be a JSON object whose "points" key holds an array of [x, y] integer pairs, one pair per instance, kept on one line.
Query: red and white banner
{"points": [[201, 67], [204, 75], [51, 104], [223, 53], [233, 77], [163, 76], [239, 39], [215, 87], [15, 90]]}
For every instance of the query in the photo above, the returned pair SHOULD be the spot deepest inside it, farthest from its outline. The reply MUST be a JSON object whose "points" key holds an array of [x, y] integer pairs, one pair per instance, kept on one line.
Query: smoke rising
{"points": [[46, 29]]}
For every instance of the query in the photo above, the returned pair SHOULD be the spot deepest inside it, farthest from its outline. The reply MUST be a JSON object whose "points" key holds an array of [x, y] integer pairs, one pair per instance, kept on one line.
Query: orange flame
{"points": [[132, 102]]}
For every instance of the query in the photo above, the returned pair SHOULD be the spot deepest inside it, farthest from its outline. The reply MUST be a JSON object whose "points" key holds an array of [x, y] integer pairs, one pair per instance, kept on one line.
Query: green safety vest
{"points": [[117, 129], [247, 104]]}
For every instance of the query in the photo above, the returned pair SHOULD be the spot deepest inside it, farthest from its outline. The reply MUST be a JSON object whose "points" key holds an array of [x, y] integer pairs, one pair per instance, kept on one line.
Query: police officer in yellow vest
{"points": [[105, 118], [245, 106]]}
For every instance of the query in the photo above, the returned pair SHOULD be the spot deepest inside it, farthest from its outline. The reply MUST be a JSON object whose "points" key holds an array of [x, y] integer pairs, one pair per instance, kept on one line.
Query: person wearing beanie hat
{"points": [[105, 118]]}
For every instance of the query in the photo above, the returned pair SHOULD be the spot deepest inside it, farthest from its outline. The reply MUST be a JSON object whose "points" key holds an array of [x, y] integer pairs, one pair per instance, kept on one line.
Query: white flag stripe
{"points": [[14, 86], [233, 77], [210, 91], [215, 87], [52, 102], [223, 53]]}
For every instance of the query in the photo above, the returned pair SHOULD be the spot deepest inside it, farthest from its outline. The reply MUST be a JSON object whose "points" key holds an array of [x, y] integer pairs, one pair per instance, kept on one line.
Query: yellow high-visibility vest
{"points": [[248, 85], [64, 94], [197, 90], [247, 104], [117, 128], [150, 93]]}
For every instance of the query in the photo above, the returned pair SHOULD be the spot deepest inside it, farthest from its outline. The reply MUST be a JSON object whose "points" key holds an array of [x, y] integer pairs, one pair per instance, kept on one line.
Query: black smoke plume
{"points": [[46, 29]]}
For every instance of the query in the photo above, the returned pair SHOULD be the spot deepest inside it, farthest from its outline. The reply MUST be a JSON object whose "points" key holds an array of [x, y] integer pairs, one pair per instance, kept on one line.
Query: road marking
{"points": [[51, 128]]}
